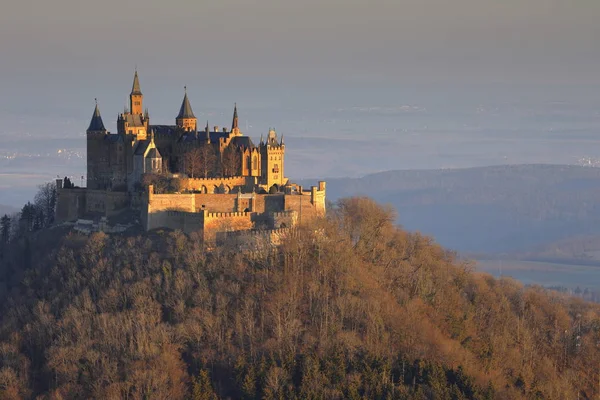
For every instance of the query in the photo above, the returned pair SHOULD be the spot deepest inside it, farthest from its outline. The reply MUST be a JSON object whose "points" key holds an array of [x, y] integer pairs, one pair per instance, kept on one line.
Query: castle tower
{"points": [[272, 160], [186, 118], [95, 148], [96, 124], [136, 97], [134, 123]]}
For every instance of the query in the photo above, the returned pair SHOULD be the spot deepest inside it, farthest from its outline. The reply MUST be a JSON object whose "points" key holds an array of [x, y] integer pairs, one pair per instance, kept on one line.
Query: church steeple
{"points": [[136, 97], [234, 123], [96, 124], [136, 85], [186, 118]]}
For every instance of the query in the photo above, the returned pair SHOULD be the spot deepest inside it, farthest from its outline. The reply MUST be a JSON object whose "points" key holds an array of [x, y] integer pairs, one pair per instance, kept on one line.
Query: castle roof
{"points": [[141, 147], [96, 123], [153, 153], [165, 130], [133, 120], [135, 89], [186, 109], [242, 141]]}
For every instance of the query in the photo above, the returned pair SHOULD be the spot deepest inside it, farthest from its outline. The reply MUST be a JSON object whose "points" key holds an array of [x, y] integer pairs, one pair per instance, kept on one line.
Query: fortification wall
{"points": [[283, 219], [308, 204], [106, 202], [172, 202], [216, 202], [269, 202], [218, 185], [70, 204], [215, 222], [256, 240]]}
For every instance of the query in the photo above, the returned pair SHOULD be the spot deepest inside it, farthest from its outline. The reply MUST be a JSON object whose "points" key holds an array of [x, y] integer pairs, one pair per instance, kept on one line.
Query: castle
{"points": [[212, 181]]}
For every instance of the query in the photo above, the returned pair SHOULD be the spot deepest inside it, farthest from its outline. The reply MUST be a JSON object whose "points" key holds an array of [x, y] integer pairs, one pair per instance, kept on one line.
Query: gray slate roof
{"points": [[153, 153], [141, 147], [186, 109], [165, 130], [96, 123]]}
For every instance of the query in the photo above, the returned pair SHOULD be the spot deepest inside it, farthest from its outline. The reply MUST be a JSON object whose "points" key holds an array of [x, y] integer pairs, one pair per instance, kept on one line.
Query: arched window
{"points": [[255, 162]]}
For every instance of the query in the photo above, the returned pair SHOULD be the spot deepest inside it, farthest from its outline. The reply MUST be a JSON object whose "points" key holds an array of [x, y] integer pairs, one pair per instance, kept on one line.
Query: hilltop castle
{"points": [[179, 177]]}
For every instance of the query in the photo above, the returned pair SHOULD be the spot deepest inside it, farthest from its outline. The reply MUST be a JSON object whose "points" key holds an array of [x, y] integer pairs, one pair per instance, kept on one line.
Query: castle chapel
{"points": [[215, 182], [118, 161]]}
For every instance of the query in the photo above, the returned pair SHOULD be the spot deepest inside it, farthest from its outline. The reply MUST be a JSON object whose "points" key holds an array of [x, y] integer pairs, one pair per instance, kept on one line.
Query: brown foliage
{"points": [[352, 307]]}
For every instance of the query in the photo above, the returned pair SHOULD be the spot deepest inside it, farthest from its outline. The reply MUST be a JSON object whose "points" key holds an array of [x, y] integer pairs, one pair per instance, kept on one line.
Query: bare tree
{"points": [[45, 202], [230, 161], [191, 162], [208, 159]]}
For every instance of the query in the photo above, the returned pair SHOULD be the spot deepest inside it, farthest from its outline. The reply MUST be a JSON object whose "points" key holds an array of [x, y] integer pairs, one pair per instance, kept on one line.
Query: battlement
{"points": [[286, 213], [225, 214]]}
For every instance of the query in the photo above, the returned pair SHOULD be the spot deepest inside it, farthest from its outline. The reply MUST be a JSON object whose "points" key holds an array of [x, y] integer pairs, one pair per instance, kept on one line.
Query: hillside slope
{"points": [[488, 209], [353, 308]]}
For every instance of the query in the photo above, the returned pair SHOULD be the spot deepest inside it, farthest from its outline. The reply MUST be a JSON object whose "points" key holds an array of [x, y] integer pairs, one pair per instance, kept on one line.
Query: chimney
{"points": [[224, 129], [216, 128]]}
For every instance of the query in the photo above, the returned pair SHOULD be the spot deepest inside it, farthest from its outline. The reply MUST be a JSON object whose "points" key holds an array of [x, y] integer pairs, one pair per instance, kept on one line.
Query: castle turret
{"points": [[96, 149], [272, 160], [96, 124], [136, 97], [186, 118]]}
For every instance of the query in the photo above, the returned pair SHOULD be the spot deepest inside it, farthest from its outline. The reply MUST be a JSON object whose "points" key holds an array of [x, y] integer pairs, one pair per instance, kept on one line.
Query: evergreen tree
{"points": [[5, 229]]}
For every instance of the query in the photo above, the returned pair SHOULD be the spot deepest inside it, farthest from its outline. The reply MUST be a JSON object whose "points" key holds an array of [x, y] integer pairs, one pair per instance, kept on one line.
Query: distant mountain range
{"points": [[490, 210]]}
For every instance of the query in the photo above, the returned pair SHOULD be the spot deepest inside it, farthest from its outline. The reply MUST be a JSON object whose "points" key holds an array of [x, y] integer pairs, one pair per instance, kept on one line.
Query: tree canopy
{"points": [[352, 307]]}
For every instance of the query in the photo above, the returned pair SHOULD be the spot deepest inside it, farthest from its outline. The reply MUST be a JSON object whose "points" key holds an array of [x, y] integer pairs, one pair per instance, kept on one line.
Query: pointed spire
{"points": [[261, 139], [186, 109], [151, 135], [136, 85], [96, 123], [281, 141], [234, 123], [207, 131]]}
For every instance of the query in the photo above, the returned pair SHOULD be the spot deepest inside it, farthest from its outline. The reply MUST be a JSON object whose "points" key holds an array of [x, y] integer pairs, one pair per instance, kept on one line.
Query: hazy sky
{"points": [[344, 40], [513, 70], [63, 53]]}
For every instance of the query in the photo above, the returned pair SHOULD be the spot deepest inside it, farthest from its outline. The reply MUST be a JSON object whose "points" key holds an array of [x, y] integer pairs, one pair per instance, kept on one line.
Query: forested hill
{"points": [[351, 308], [488, 209]]}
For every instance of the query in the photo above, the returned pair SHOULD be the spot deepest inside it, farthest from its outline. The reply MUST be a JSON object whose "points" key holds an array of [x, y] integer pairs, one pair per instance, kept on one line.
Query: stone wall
{"points": [[308, 204], [216, 202], [106, 202], [70, 204], [75, 203], [231, 212], [218, 185], [225, 222], [254, 240]]}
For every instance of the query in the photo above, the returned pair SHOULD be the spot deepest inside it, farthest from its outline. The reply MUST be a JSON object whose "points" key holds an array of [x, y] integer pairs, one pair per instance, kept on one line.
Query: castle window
{"points": [[255, 162], [276, 168]]}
